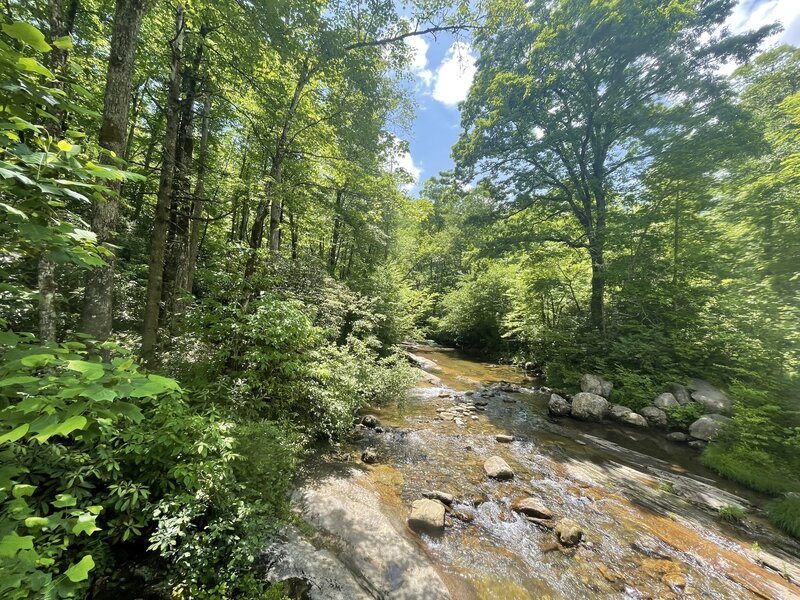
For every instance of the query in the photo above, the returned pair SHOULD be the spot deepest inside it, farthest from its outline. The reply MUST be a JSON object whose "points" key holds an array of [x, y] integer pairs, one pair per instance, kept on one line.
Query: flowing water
{"points": [[646, 505]]}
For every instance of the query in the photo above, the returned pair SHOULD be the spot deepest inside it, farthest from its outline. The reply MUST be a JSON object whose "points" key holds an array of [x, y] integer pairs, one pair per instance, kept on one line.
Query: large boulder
{"points": [[666, 401], [594, 384], [680, 392], [589, 407], [558, 406], [618, 412], [709, 396], [635, 420], [442, 497], [370, 421], [531, 507], [707, 426], [568, 532], [421, 362], [497, 468], [655, 416], [427, 516], [677, 436]]}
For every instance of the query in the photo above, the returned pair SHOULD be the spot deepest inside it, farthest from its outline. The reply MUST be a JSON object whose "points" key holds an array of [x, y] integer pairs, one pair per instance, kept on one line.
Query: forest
{"points": [[210, 258]]}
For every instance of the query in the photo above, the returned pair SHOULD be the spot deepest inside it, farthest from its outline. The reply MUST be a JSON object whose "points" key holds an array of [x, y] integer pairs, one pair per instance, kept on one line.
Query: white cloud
{"points": [[454, 75], [752, 14], [400, 159], [418, 48]]}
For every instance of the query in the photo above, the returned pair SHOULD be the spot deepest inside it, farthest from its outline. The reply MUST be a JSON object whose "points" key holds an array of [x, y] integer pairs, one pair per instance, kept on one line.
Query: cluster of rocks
{"points": [[592, 404], [430, 513], [462, 409]]}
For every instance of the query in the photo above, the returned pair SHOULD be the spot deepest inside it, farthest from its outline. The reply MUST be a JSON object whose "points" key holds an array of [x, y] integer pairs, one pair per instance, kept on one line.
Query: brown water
{"points": [[644, 538]]}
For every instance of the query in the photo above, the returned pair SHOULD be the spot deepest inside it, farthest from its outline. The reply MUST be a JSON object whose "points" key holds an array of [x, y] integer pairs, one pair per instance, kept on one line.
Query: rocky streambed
{"points": [[470, 490]]}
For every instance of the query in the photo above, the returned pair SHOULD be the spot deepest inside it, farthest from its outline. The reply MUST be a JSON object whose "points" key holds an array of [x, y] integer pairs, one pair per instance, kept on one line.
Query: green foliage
{"points": [[785, 513], [757, 469], [731, 513], [682, 416]]}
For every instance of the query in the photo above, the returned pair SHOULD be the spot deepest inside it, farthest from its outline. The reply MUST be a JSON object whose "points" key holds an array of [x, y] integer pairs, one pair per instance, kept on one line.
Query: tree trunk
{"points": [[96, 317], [176, 269], [337, 225], [161, 223], [199, 191], [138, 197], [61, 22], [295, 233]]}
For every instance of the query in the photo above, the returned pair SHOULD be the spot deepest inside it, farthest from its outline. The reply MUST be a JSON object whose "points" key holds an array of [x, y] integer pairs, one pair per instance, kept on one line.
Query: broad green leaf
{"points": [[13, 543], [27, 33], [22, 490], [14, 434], [86, 524], [37, 360], [34, 66], [63, 43], [18, 380], [129, 410], [65, 428], [80, 571], [36, 522], [64, 501], [13, 211], [89, 370]]}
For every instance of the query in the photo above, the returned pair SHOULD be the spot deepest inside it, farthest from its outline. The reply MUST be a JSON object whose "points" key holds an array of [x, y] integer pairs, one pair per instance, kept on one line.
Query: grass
{"points": [[731, 513], [785, 514], [739, 465]]}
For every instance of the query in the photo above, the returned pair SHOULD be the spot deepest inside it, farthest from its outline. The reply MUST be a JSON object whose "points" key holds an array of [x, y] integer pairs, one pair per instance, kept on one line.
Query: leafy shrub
{"points": [[633, 389], [756, 469], [683, 416]]}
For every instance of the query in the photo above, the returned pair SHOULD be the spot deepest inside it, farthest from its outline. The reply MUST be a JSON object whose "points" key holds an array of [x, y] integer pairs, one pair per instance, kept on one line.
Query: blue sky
{"points": [[444, 66]]}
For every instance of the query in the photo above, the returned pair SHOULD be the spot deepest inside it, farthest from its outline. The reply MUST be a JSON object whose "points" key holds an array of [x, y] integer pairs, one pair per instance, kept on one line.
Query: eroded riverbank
{"points": [[647, 510]]}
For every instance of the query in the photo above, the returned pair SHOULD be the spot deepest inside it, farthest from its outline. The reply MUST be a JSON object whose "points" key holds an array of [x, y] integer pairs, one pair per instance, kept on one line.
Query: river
{"points": [[647, 506]]}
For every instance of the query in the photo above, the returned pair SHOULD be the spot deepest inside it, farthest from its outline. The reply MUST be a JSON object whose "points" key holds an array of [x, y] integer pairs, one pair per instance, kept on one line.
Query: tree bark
{"points": [[176, 269], [199, 192], [337, 225], [161, 223], [61, 20], [97, 314]]}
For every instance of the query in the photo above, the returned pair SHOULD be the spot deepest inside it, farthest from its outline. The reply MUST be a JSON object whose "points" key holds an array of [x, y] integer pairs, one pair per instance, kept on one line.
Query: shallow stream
{"points": [[646, 505]]}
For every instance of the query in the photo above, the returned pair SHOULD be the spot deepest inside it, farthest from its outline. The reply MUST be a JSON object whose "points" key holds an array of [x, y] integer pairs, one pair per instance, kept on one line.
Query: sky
{"points": [[443, 69]]}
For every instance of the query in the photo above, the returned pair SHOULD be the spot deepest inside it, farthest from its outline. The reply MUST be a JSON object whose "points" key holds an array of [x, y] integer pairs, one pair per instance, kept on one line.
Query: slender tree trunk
{"points": [[138, 197], [61, 19], [337, 225], [199, 192], [176, 269], [295, 233], [161, 224], [97, 314]]}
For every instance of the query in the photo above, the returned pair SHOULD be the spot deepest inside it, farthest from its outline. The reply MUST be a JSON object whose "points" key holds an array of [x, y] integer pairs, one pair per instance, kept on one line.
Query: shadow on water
{"points": [[629, 491]]}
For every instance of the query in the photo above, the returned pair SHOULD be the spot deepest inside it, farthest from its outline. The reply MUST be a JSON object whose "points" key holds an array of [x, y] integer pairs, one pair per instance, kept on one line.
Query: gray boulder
{"points": [[503, 438], [427, 516], [709, 396], [635, 420], [654, 415], [369, 456], [680, 392], [697, 444], [618, 412], [594, 384], [677, 436], [497, 468], [589, 407], [370, 421], [665, 401], [707, 427], [558, 406], [568, 532]]}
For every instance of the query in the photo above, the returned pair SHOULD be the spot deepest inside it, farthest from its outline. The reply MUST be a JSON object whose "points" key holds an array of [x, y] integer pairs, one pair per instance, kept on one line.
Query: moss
{"points": [[731, 513], [785, 514]]}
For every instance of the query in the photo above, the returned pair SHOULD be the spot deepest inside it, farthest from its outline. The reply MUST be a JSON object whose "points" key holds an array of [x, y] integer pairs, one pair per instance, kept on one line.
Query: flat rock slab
{"points": [[328, 577], [387, 563], [531, 507]]}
